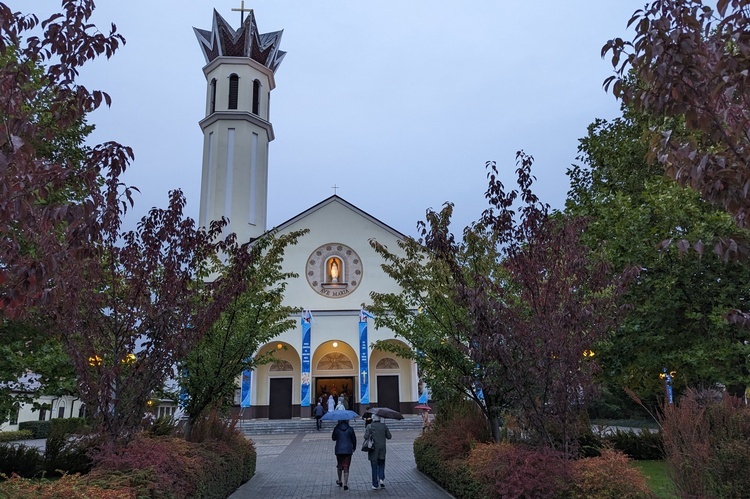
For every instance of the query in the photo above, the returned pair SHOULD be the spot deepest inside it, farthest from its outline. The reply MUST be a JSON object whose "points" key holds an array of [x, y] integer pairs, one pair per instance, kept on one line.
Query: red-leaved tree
{"points": [[535, 320], [49, 183], [139, 304]]}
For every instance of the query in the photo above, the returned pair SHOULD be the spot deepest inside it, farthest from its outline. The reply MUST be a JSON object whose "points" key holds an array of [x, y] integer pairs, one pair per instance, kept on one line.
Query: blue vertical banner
{"points": [[364, 364], [245, 388], [305, 394]]}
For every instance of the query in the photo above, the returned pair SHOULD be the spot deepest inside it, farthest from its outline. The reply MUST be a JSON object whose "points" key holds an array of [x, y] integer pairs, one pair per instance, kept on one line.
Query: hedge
{"points": [[39, 429], [11, 436]]}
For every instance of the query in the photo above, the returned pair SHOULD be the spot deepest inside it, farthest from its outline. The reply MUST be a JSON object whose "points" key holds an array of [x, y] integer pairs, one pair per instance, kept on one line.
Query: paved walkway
{"points": [[304, 466]]}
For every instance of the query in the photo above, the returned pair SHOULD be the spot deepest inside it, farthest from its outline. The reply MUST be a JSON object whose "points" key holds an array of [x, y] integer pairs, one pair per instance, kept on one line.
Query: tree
{"points": [[139, 304], [231, 344], [692, 64], [678, 304], [432, 323], [49, 183], [43, 225], [520, 301]]}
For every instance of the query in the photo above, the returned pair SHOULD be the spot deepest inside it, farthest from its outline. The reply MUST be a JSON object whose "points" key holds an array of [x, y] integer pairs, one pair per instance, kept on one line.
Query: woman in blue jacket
{"points": [[346, 442]]}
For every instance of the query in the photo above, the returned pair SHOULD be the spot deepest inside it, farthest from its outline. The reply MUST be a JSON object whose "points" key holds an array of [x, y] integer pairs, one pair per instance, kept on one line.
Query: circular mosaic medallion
{"points": [[334, 270]]}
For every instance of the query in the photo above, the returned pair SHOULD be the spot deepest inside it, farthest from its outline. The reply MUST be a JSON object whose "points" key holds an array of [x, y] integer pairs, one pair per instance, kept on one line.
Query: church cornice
{"points": [[223, 41], [238, 116]]}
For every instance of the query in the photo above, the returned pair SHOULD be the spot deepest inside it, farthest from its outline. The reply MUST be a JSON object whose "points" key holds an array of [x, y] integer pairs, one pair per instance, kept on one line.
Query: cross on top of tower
{"points": [[335, 188], [242, 11]]}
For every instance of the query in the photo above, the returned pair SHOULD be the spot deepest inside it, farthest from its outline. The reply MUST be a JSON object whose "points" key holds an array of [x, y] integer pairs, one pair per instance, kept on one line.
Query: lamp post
{"points": [[667, 377]]}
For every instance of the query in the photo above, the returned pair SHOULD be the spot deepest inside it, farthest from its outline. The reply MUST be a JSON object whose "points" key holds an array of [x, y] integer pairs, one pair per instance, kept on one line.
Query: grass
{"points": [[656, 475]]}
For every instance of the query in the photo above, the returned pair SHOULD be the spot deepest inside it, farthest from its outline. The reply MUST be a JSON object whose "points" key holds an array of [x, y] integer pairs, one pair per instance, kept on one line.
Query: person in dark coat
{"points": [[318, 413], [380, 433], [346, 442]]}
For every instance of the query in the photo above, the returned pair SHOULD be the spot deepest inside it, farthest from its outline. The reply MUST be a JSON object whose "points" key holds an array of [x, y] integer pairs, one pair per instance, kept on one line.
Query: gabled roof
{"points": [[337, 199]]}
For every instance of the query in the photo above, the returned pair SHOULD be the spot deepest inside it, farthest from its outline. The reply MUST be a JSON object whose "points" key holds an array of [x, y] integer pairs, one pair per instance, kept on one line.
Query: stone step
{"points": [[307, 425]]}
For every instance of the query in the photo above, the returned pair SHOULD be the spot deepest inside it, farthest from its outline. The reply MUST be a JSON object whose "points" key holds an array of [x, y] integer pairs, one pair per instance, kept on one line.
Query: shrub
{"points": [[173, 467], [10, 436], [645, 445], [66, 426], [163, 426], [39, 429], [707, 445], [70, 454], [514, 471], [451, 474], [20, 459], [608, 476], [460, 428], [69, 487]]}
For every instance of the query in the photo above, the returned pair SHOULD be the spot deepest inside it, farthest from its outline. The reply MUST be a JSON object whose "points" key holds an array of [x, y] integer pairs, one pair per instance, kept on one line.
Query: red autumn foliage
{"points": [[49, 201], [514, 471], [609, 475]]}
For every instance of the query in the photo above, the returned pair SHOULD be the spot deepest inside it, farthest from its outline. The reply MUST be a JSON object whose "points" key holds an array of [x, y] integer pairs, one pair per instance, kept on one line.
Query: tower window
{"points": [[234, 88], [256, 97], [213, 95]]}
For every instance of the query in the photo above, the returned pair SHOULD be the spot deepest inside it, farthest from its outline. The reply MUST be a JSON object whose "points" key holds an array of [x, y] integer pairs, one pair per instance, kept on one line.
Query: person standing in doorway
{"points": [[331, 403], [346, 442], [380, 433], [318, 413]]}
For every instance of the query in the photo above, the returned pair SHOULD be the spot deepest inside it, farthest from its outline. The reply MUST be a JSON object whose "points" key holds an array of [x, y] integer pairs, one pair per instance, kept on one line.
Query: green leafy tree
{"points": [[435, 326], [231, 344], [680, 300], [691, 61]]}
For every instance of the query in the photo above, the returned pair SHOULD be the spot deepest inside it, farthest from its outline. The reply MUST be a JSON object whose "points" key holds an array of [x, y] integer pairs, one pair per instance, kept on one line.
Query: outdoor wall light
{"points": [[335, 344]]}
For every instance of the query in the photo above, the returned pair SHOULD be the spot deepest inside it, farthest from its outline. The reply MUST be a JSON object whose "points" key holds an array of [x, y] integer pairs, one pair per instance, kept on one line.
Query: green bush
{"points": [[39, 429], [646, 445], [67, 454], [66, 426], [10, 436], [20, 459]]}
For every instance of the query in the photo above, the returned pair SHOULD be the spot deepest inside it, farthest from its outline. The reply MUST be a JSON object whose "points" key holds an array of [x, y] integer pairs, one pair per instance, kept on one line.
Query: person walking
{"points": [[380, 433], [318, 413], [346, 442]]}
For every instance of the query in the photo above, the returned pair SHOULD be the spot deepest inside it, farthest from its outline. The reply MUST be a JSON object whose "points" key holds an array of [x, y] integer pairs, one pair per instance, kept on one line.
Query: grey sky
{"points": [[399, 103]]}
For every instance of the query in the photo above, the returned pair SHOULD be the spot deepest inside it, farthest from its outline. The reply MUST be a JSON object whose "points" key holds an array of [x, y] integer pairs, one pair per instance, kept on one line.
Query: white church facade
{"points": [[331, 348]]}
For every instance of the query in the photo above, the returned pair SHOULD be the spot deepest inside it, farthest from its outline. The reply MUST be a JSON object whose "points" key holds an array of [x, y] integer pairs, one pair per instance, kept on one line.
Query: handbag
{"points": [[368, 444]]}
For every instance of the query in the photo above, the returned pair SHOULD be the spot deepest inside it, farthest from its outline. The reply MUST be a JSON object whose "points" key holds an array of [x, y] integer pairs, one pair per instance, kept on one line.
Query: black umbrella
{"points": [[385, 412]]}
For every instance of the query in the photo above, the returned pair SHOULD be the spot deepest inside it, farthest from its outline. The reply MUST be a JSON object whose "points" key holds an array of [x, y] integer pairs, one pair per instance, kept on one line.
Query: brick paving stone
{"points": [[304, 466]]}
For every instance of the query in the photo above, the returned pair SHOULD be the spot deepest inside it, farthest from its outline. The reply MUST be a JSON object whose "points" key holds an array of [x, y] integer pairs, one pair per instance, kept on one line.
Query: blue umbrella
{"points": [[344, 415]]}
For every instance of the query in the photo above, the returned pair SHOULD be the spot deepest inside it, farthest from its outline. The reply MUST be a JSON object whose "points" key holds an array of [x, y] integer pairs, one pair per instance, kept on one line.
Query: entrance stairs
{"points": [[307, 425]]}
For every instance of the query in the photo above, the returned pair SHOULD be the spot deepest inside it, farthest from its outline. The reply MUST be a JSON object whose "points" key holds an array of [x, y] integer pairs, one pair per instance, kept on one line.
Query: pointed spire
{"points": [[223, 40]]}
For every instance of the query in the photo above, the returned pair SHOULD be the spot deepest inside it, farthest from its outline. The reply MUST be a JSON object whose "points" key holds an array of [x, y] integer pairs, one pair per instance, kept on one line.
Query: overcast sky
{"points": [[398, 102]]}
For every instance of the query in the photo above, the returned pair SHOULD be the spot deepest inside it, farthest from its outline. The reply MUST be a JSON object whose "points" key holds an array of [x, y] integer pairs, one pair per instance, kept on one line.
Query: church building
{"points": [[330, 350]]}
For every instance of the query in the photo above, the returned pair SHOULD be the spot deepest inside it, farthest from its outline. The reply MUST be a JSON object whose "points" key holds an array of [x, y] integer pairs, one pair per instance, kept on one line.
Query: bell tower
{"points": [[239, 70]]}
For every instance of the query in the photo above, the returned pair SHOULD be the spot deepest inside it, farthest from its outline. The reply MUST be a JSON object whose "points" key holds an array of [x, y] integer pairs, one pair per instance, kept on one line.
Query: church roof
{"points": [[337, 199], [223, 40]]}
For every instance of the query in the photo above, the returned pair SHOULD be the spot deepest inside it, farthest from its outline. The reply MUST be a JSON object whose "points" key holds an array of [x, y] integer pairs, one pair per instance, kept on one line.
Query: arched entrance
{"points": [[334, 372]]}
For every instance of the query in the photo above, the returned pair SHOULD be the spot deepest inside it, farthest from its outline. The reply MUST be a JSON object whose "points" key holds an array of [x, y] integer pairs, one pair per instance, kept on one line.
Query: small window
{"points": [[213, 95], [256, 97], [42, 414], [61, 412], [82, 411], [234, 89]]}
